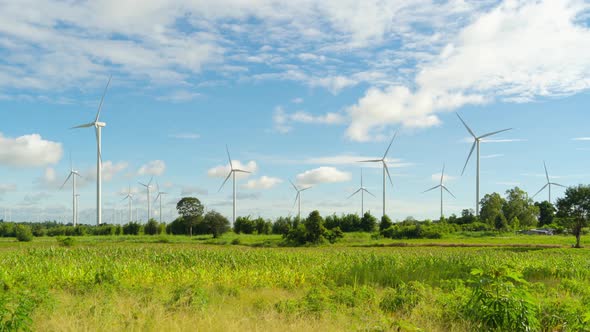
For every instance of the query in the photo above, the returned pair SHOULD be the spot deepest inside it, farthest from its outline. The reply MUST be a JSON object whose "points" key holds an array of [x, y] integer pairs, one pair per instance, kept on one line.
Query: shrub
{"points": [[333, 235], [23, 233], [66, 242], [385, 223], [131, 228], [151, 227], [404, 297]]}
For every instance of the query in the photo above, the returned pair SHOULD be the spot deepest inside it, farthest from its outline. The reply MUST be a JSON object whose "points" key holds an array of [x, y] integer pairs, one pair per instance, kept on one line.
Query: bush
{"points": [[131, 228], [151, 228], [23, 233], [66, 242]]}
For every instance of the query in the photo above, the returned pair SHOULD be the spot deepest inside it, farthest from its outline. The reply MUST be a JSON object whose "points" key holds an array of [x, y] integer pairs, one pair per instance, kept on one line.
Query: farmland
{"points": [[182, 283]]}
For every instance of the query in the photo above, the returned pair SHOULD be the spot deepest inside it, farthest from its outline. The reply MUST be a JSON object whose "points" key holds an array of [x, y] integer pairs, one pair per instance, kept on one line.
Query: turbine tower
{"points": [[148, 187], [232, 173], [73, 174], [77, 210], [362, 190], [442, 187], [98, 127], [298, 198], [476, 141], [548, 184], [160, 194], [385, 168], [129, 198]]}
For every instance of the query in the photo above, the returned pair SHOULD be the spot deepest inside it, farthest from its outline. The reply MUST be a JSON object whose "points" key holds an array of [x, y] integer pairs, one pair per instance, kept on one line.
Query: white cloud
{"points": [[283, 121], [297, 100], [180, 96], [110, 169], [6, 188], [154, 167], [49, 179], [264, 182], [29, 151], [517, 51], [581, 139], [447, 178], [349, 159], [492, 156], [221, 171], [322, 175], [185, 136], [192, 190]]}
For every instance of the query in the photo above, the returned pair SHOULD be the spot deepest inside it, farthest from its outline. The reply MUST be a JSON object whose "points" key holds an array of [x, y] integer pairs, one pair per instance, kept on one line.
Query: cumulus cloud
{"points": [[192, 190], [221, 171], [264, 182], [6, 188], [180, 96], [284, 121], [186, 136], [581, 139], [322, 175], [29, 151], [154, 167]]}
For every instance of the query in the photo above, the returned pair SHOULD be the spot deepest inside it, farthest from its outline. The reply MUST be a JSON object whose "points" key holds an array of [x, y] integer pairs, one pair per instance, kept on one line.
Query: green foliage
{"points": [[368, 222], [216, 223], [244, 225], [385, 223], [131, 228], [546, 212], [574, 209], [282, 225], [404, 297], [314, 227], [491, 208], [191, 210], [333, 235], [23, 233], [152, 227], [520, 207], [66, 241], [16, 309], [500, 301]]}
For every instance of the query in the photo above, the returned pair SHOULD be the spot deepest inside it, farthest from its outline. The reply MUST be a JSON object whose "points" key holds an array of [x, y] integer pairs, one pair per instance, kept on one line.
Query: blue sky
{"points": [[298, 91]]}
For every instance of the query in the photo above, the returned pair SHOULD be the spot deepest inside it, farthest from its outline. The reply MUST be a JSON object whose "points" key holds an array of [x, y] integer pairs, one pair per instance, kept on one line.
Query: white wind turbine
{"points": [[73, 174], [476, 141], [383, 161], [548, 184], [362, 190], [232, 172], [98, 127], [160, 194], [129, 198], [77, 210], [148, 187], [442, 187], [298, 198]]}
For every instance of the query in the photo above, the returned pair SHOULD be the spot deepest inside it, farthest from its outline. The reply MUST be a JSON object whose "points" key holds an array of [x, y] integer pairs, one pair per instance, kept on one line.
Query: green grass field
{"points": [[143, 283]]}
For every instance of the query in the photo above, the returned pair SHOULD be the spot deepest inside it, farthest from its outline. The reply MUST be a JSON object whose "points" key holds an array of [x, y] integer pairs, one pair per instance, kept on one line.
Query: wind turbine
{"points": [[77, 210], [298, 198], [233, 172], [129, 198], [98, 127], [548, 184], [442, 187], [148, 187], [73, 174], [160, 194], [385, 168], [362, 190], [476, 141]]}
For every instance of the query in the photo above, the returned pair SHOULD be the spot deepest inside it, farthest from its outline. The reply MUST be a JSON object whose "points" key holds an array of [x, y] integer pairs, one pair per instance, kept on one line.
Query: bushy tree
{"points": [[546, 212], [151, 227], [244, 225], [282, 225], [519, 205], [574, 209], [368, 222], [23, 233], [385, 223], [491, 207], [314, 227], [216, 223], [191, 209], [132, 228]]}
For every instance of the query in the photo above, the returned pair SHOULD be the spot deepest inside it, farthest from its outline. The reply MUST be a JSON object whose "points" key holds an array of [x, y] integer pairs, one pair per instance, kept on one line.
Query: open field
{"points": [[179, 283]]}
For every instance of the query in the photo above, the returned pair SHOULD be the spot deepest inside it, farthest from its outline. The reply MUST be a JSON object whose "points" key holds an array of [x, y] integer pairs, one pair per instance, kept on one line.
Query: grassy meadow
{"points": [[465, 282]]}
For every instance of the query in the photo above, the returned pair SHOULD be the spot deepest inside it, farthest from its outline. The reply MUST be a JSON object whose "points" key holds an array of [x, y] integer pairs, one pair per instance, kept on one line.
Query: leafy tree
{"points": [[491, 207], [282, 225], [546, 212], [191, 209], [467, 217], [131, 228], [244, 225], [216, 223], [574, 209], [500, 222], [385, 223], [333, 235], [368, 222], [23, 233], [314, 227], [519, 205], [152, 227]]}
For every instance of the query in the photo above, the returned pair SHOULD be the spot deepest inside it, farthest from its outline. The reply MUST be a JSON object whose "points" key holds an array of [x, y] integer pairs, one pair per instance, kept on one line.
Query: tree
{"points": [[368, 222], [282, 225], [314, 227], [385, 223], [216, 223], [574, 209], [491, 207], [191, 209], [500, 222], [519, 205], [546, 212], [23, 233], [131, 228], [152, 227]]}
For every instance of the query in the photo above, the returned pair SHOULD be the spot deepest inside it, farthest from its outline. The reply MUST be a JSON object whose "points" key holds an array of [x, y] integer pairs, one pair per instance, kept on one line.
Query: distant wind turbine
{"points": [[73, 174], [476, 141], [442, 187], [548, 184], [232, 173], [160, 194], [129, 198], [362, 190], [298, 198], [98, 127], [385, 168], [148, 187]]}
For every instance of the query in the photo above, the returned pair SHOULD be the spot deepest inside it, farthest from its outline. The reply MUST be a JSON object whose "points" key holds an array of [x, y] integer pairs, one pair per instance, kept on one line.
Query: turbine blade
{"points": [[368, 192], [494, 133], [354, 193], [546, 173], [559, 185], [296, 197], [223, 184], [84, 125], [387, 151], [66, 181], [231, 165], [545, 186], [447, 190], [442, 174], [468, 157], [294, 187], [304, 189], [370, 161], [242, 171], [425, 191], [102, 99], [388, 175], [151, 179], [466, 126]]}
